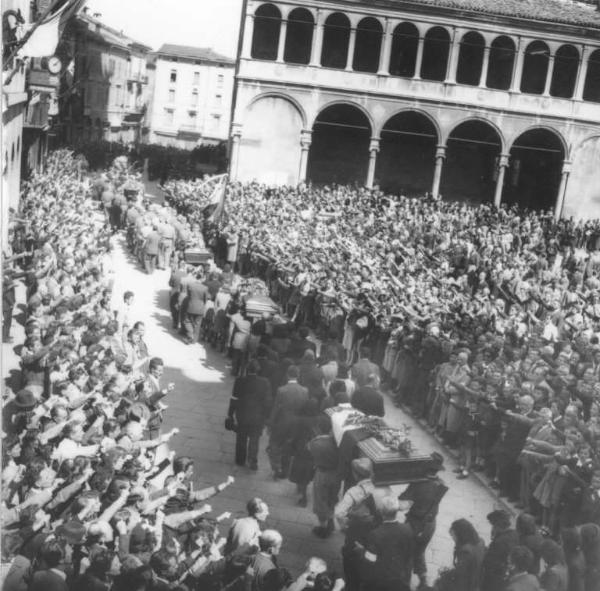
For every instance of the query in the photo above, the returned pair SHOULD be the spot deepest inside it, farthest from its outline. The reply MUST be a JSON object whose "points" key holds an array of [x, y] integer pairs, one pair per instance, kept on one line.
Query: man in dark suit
{"points": [[388, 557], [197, 294], [250, 404], [368, 399], [290, 401], [175, 280], [495, 561]]}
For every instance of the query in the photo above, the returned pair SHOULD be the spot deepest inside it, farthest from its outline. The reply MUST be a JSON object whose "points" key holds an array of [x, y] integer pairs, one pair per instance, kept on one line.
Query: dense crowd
{"points": [[483, 322], [92, 498]]}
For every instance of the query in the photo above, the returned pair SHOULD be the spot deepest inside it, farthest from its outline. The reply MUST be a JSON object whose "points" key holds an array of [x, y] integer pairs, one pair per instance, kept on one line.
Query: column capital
{"points": [[305, 138], [503, 160], [440, 151], [374, 144], [236, 130]]}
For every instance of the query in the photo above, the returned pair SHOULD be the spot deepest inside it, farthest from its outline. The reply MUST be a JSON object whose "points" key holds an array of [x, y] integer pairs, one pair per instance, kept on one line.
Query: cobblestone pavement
{"points": [[199, 405]]}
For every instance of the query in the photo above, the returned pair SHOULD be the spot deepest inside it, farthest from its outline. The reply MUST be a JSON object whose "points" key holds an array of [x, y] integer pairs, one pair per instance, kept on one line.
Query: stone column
{"points": [[419, 58], [351, 46], [581, 74], [549, 75], [560, 199], [317, 41], [373, 149], [248, 32], [452, 58], [502, 166], [282, 36], [484, 67], [386, 48], [305, 141], [515, 85], [236, 136], [440, 155]]}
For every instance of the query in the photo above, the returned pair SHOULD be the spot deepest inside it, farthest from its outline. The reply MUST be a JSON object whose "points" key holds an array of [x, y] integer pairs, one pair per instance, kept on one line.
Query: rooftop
{"points": [[194, 53], [103, 32], [568, 12]]}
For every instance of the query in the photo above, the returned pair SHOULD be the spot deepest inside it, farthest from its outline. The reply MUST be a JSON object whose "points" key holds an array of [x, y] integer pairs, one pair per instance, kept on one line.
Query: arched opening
{"points": [[533, 177], [368, 45], [12, 153], [591, 89], [435, 54], [270, 144], [405, 44], [265, 38], [406, 157], [470, 59], [535, 68], [500, 67], [471, 165], [564, 75], [298, 40], [339, 151], [336, 36]]}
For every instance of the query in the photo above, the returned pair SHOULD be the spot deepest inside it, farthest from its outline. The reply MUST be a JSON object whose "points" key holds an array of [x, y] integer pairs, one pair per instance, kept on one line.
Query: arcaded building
{"points": [[479, 100]]}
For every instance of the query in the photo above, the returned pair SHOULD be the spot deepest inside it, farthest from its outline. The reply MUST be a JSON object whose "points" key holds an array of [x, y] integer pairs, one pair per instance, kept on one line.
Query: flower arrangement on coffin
{"points": [[392, 438]]}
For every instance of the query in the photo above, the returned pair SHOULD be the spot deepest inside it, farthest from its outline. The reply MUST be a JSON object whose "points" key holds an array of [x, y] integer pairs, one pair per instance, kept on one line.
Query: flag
{"points": [[217, 199], [43, 37]]}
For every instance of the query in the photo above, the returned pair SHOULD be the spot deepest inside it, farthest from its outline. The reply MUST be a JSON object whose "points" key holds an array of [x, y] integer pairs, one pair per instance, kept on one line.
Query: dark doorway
{"points": [[406, 156], [470, 59], [502, 60], [339, 152], [298, 40], [470, 169], [336, 36], [403, 57], [533, 176], [435, 54], [368, 45], [265, 38]]}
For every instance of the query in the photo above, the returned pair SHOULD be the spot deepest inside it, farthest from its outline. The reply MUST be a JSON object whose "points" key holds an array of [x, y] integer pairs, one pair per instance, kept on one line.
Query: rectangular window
{"points": [[218, 100], [220, 79], [194, 102], [173, 77], [171, 96], [118, 95], [196, 78], [169, 116]]}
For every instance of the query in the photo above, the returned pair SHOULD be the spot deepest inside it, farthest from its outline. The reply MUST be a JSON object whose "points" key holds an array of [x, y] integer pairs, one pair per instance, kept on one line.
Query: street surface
{"points": [[198, 406]]}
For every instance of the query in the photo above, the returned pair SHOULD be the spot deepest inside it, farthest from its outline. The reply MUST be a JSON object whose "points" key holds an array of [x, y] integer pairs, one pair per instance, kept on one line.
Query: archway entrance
{"points": [[407, 154], [471, 165], [533, 177], [339, 152]]}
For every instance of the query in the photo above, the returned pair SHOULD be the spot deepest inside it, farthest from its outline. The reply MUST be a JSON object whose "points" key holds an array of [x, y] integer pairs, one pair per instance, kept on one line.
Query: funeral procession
{"points": [[300, 295]]}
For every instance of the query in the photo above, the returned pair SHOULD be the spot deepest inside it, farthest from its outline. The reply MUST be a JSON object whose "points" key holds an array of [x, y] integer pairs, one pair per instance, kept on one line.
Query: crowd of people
{"points": [[92, 497], [483, 322]]}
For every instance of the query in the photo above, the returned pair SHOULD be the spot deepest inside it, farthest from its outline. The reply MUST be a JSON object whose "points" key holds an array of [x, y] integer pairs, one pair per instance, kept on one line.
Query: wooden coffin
{"points": [[197, 256], [390, 467]]}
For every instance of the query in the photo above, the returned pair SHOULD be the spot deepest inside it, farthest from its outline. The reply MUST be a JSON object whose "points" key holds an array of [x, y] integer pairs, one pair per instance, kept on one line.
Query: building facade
{"points": [[107, 95], [471, 100], [14, 104], [191, 102]]}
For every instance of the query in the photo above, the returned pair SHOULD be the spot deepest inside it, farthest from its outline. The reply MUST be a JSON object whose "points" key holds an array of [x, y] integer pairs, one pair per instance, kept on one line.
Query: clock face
{"points": [[54, 65]]}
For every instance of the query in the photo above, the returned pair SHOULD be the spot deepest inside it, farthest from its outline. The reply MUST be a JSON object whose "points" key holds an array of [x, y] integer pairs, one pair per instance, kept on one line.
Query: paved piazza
{"points": [[198, 406]]}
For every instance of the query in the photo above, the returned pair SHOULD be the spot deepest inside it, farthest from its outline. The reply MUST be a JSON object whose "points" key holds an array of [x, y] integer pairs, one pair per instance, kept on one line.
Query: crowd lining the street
{"points": [[484, 322]]}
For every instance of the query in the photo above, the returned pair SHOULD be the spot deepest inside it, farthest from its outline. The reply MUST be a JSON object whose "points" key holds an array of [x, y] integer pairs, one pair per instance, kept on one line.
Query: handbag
{"points": [[230, 424]]}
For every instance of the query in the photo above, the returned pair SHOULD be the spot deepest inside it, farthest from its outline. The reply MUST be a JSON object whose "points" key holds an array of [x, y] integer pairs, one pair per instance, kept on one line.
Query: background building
{"points": [[107, 95], [191, 102], [480, 101]]}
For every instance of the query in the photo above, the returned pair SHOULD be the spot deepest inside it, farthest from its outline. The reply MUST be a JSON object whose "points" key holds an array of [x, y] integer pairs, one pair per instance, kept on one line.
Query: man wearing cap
{"points": [[426, 497]]}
